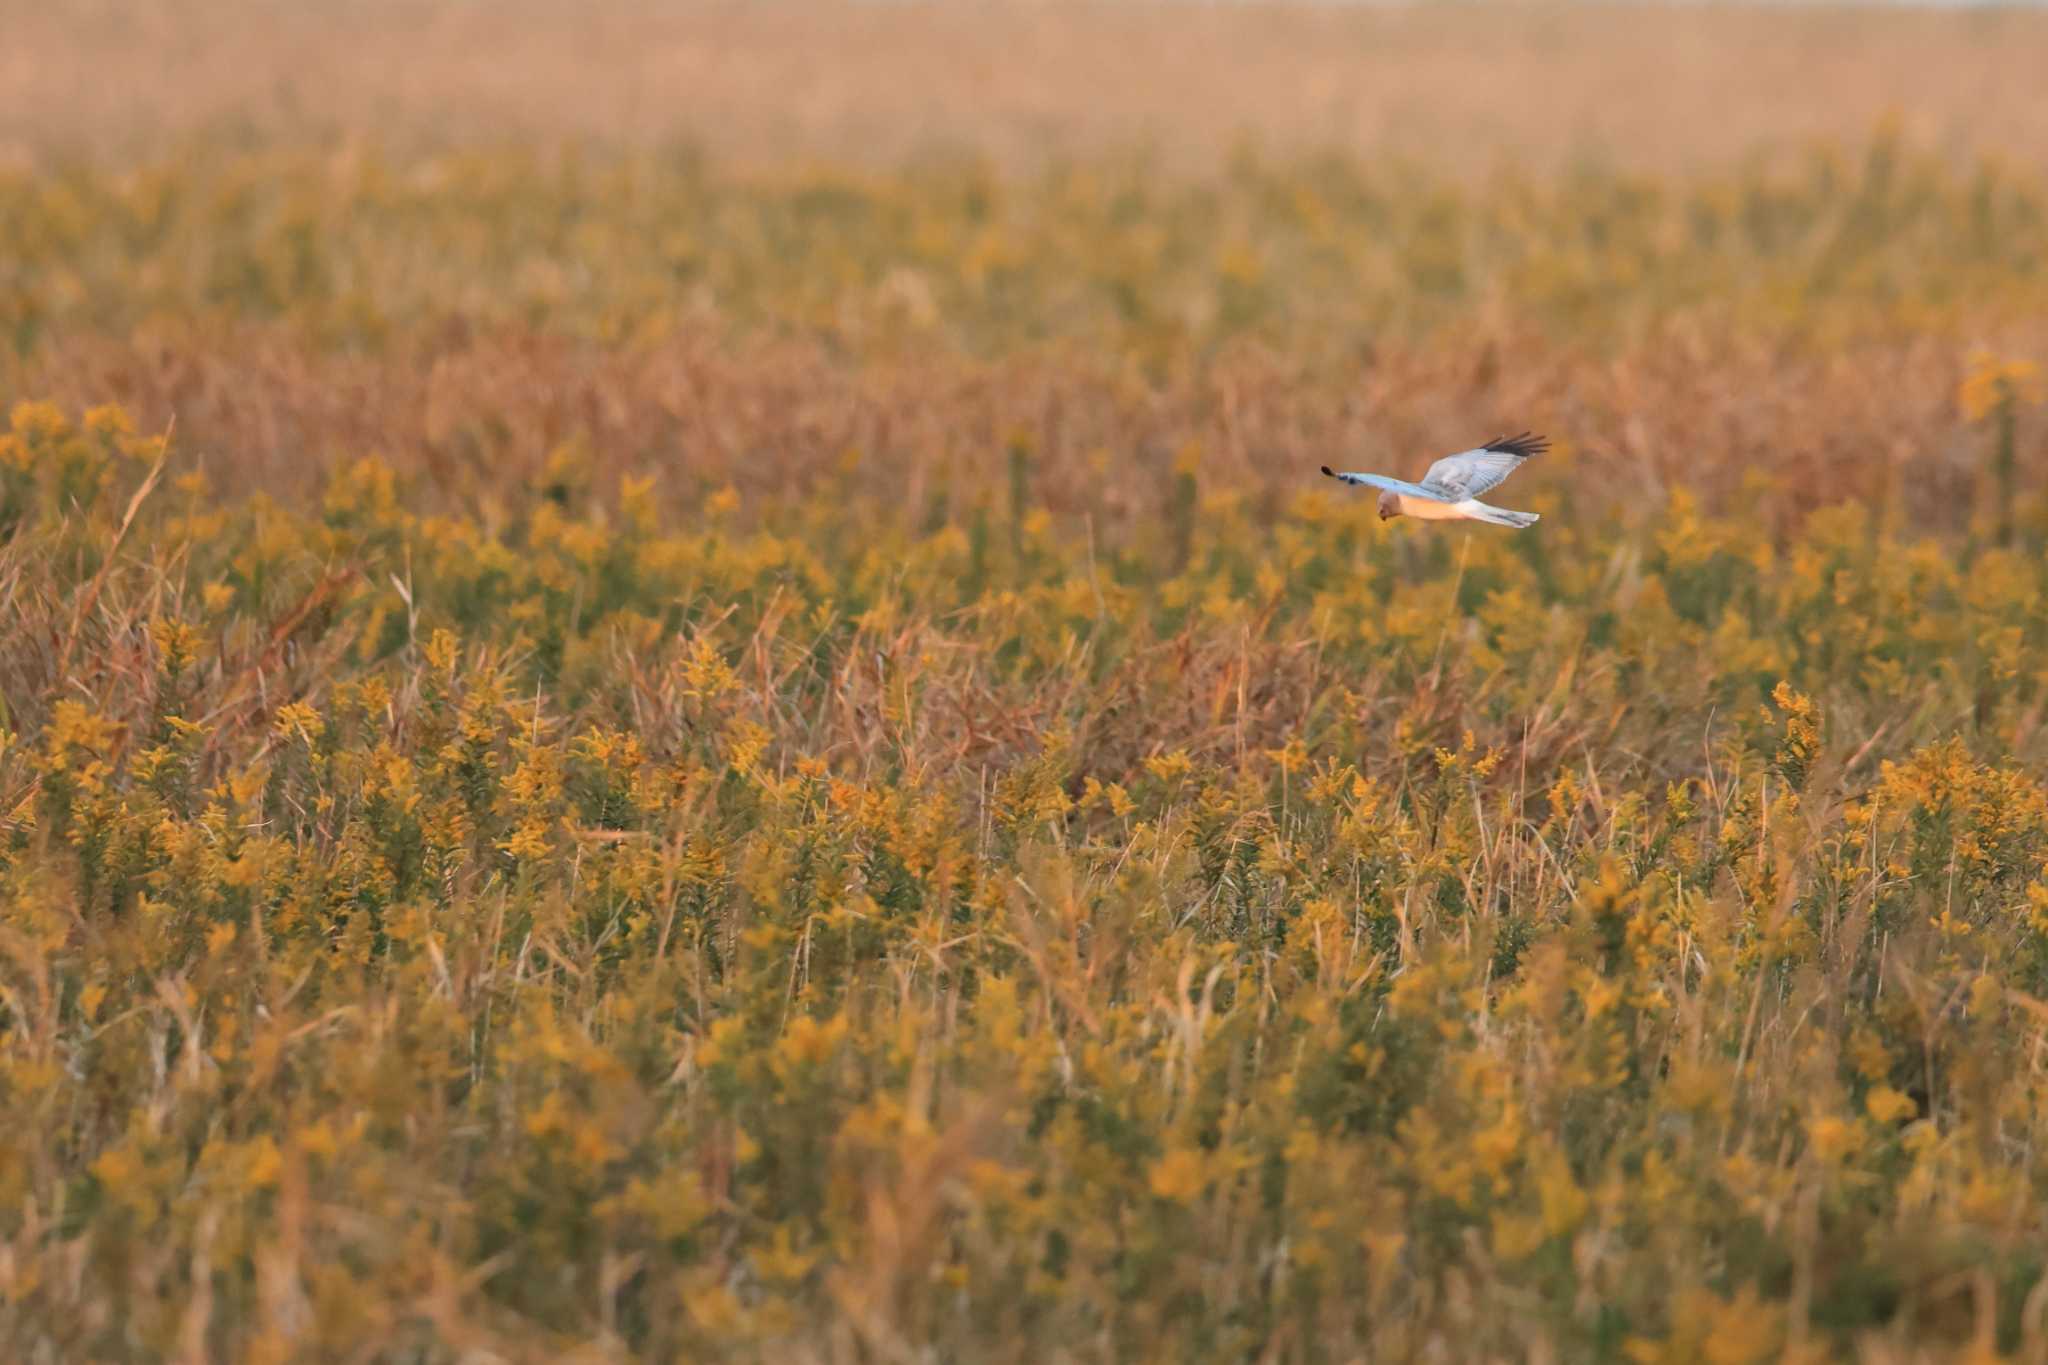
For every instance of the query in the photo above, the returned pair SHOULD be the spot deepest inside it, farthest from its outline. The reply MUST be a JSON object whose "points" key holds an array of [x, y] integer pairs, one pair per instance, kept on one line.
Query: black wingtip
{"points": [[1331, 472], [1525, 445]]}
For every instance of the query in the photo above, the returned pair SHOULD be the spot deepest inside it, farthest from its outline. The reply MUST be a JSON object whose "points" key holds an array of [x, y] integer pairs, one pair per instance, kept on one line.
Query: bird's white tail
{"points": [[1501, 516]]}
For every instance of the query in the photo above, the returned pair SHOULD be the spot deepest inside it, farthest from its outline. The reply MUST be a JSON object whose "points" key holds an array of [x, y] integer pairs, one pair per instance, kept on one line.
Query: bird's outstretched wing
{"points": [[1472, 472], [1413, 490]]}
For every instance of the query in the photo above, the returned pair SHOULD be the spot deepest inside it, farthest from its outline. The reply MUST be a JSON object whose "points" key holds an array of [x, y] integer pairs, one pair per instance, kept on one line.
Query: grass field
{"points": [[715, 713]]}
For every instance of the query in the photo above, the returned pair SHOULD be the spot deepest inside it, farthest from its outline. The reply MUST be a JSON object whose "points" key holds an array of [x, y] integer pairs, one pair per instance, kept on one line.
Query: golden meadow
{"points": [[608, 755]]}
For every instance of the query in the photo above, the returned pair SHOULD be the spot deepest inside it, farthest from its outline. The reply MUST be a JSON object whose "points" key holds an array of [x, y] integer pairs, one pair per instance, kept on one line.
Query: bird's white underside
{"points": [[1425, 509]]}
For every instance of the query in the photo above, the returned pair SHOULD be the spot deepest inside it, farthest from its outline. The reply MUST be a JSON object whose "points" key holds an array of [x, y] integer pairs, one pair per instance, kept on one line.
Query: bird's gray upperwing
{"points": [[1413, 490], [1469, 473]]}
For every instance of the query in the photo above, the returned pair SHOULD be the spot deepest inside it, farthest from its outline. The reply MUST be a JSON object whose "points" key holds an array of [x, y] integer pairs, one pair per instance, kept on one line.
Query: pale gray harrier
{"points": [[1450, 490]]}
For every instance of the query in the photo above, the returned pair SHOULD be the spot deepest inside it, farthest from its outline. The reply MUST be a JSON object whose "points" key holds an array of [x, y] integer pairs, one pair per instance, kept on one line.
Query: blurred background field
{"points": [[1464, 87], [313, 233], [678, 685]]}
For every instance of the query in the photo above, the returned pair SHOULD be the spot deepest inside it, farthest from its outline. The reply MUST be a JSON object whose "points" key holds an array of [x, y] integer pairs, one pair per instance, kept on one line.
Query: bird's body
{"points": [[1449, 491], [1426, 509]]}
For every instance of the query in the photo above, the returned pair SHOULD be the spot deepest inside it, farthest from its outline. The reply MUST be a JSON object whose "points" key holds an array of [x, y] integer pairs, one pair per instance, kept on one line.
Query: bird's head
{"points": [[1390, 504]]}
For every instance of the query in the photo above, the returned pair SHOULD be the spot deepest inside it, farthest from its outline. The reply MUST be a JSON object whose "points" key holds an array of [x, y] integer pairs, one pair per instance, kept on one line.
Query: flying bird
{"points": [[1450, 490]]}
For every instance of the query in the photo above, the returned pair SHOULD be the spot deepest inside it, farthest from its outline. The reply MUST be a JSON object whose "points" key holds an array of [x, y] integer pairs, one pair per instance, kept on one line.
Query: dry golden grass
{"points": [[1876, 423]]}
